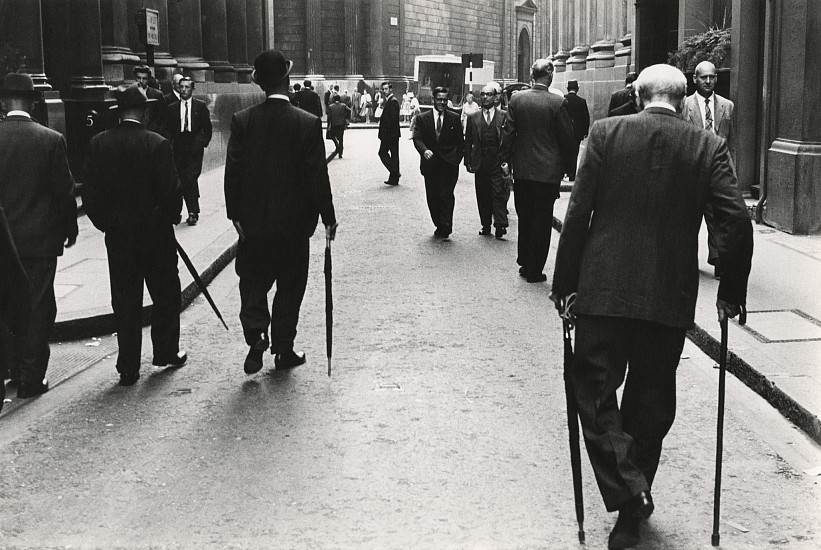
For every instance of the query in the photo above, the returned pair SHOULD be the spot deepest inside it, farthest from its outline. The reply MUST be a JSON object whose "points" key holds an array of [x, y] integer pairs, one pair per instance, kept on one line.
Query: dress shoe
{"points": [[500, 232], [485, 230], [539, 278], [192, 219], [289, 359], [25, 391], [253, 361], [522, 272], [640, 506], [625, 533], [129, 378], [173, 361]]}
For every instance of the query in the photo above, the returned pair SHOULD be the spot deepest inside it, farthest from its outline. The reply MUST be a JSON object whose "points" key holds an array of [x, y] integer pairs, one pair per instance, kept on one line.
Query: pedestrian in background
{"points": [[623, 96], [132, 194], [155, 114], [276, 185], [483, 135], [538, 146], [468, 108], [189, 128], [37, 193], [308, 100], [438, 137], [174, 95], [579, 114], [389, 134], [337, 122], [415, 109], [365, 106], [645, 182]]}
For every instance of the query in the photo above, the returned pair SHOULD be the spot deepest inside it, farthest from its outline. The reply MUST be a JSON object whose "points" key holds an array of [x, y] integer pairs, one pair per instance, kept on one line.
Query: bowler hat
{"points": [[573, 85], [271, 66], [129, 96], [18, 85]]}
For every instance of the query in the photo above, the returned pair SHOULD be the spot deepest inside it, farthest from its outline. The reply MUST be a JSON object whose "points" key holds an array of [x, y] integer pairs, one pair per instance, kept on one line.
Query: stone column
{"points": [[793, 173], [21, 29], [164, 64], [313, 37], [118, 58], [185, 37], [237, 25], [353, 45], [255, 16], [215, 40]]}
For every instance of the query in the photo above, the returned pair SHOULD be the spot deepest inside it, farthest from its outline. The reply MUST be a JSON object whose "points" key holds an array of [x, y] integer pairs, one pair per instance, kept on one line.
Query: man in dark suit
{"points": [[155, 115], [338, 114], [389, 134], [188, 124], [131, 193], [438, 137], [578, 111], [37, 193], [483, 134], [620, 97], [276, 186], [539, 146], [174, 95], [308, 100], [628, 108], [629, 253]]}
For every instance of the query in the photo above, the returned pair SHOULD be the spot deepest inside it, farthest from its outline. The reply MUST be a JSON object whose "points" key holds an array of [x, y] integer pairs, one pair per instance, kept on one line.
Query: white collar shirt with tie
{"points": [[185, 109], [700, 98], [489, 114]]}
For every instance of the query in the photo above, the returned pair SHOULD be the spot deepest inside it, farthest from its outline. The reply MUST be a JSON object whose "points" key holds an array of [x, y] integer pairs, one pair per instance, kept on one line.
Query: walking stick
{"points": [[329, 305], [573, 421], [722, 366], [197, 279]]}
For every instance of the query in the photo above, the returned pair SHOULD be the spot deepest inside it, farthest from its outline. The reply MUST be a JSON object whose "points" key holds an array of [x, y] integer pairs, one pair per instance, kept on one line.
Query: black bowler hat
{"points": [[129, 96], [270, 67], [19, 85], [573, 85]]}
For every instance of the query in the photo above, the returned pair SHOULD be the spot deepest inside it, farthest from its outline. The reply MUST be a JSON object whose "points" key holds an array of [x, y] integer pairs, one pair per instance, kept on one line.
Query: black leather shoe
{"points": [[540, 278], [25, 391], [522, 272], [500, 232], [129, 378], [485, 230], [625, 533], [289, 359], [253, 361], [174, 361], [641, 505], [192, 219]]}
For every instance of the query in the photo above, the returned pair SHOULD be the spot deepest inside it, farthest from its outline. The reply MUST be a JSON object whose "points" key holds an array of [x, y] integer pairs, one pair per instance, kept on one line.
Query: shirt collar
{"points": [[18, 113], [661, 105], [283, 97], [492, 111], [701, 98]]}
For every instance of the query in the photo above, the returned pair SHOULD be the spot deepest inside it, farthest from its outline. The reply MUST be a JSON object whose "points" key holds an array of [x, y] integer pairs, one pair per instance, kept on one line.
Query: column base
{"points": [[243, 73], [794, 187]]}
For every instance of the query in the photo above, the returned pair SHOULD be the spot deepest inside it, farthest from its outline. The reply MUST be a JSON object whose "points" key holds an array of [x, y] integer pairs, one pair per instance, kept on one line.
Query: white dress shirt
{"points": [[491, 112], [183, 103]]}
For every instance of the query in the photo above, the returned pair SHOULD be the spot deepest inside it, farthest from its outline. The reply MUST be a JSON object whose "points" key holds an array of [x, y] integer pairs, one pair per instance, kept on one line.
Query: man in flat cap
{"points": [[38, 199], [132, 194], [276, 186]]}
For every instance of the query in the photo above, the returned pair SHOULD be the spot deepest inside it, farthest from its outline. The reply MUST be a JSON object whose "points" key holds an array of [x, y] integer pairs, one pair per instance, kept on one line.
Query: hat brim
{"points": [[146, 102]]}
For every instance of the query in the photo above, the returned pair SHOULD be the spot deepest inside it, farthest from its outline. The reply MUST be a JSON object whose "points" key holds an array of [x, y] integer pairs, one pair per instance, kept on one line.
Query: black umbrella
{"points": [[572, 418], [329, 305], [197, 279]]}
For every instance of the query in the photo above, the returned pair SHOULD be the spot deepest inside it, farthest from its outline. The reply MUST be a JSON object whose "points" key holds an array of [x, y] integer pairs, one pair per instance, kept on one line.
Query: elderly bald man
{"points": [[483, 134], [706, 109], [629, 252], [174, 95]]}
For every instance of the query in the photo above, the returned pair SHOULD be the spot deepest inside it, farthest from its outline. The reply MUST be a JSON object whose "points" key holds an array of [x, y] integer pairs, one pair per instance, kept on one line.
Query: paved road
{"points": [[442, 426]]}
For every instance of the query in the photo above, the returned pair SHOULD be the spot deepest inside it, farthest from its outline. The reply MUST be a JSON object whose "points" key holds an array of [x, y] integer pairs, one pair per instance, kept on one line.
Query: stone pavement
{"points": [[778, 353]]}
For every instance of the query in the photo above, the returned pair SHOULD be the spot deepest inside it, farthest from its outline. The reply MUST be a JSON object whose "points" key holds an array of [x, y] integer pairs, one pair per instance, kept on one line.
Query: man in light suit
{"points": [[483, 134], [188, 124], [538, 145], [437, 135], [629, 253], [276, 187], [37, 194], [708, 110]]}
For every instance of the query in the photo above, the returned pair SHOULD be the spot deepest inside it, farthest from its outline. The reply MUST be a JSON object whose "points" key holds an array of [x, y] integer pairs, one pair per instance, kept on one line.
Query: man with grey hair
{"points": [[174, 96], [539, 147], [628, 264], [483, 134]]}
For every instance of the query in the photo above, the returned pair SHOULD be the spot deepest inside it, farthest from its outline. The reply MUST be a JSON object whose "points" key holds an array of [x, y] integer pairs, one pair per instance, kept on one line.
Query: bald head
{"points": [[542, 72], [705, 78], [661, 83]]}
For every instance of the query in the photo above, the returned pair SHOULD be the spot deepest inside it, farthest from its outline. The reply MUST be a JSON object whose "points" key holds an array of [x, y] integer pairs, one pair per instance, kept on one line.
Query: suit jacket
{"points": [[308, 100], [537, 139], [36, 187], [155, 116], [276, 178], [579, 115], [15, 297], [201, 128], [338, 114], [619, 98], [389, 121], [447, 150], [646, 181], [628, 108], [473, 136], [171, 98], [131, 182], [722, 117]]}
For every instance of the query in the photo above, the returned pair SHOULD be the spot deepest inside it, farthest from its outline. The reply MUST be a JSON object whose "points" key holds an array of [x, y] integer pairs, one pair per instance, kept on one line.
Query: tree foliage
{"points": [[712, 46]]}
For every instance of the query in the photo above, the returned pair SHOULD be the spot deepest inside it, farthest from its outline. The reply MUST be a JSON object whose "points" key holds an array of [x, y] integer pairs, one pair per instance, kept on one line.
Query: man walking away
{"points": [[308, 100], [37, 193], [629, 251], [276, 185], [189, 129], [338, 114], [389, 134], [577, 109], [131, 194], [482, 138], [538, 145], [623, 96]]}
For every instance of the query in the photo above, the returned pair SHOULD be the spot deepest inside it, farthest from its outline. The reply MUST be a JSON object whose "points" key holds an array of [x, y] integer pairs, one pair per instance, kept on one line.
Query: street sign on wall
{"points": [[152, 27]]}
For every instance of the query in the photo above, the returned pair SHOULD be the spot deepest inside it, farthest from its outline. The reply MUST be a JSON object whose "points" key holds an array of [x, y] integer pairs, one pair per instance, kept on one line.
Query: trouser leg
{"points": [[341, 138], [385, 156], [127, 301], [159, 260], [254, 315], [523, 200], [191, 195], [602, 352], [34, 349], [432, 197], [500, 194], [484, 197], [292, 278], [447, 184]]}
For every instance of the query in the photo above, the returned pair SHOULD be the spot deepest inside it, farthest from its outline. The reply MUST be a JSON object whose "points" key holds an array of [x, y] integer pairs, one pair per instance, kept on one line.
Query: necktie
{"points": [[708, 115], [438, 125], [185, 124], [487, 117]]}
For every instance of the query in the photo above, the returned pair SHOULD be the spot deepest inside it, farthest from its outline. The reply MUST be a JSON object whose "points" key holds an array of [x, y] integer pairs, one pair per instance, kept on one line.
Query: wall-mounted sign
{"points": [[394, 21], [152, 27]]}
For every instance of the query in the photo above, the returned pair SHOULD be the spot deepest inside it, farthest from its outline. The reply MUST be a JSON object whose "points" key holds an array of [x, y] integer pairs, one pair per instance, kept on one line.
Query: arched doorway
{"points": [[523, 51]]}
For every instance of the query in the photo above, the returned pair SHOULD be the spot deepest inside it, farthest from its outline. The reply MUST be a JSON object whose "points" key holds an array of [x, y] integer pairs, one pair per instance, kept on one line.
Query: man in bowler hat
{"points": [[37, 194], [276, 186], [132, 194]]}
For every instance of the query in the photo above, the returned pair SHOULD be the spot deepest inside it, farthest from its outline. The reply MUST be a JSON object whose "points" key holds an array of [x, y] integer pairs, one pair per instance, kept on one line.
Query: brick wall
{"points": [[333, 37], [289, 32]]}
